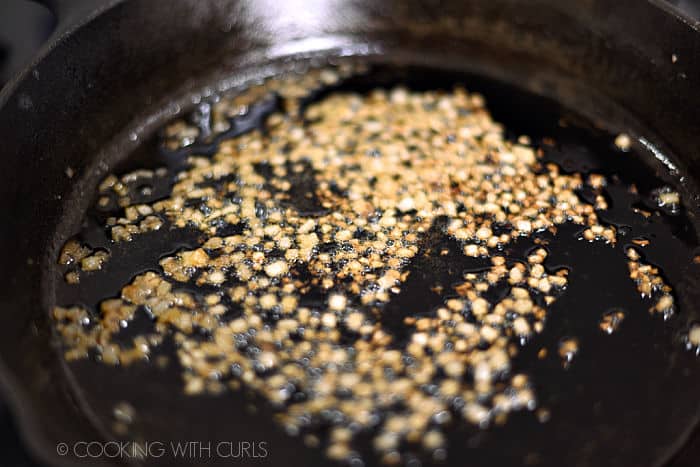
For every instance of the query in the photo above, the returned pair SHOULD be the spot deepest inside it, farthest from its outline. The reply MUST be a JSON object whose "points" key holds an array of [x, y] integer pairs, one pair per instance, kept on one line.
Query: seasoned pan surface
{"points": [[619, 389]]}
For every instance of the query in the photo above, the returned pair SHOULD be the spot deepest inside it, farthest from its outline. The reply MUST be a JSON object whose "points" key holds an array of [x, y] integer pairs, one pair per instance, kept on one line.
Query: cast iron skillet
{"points": [[108, 76]]}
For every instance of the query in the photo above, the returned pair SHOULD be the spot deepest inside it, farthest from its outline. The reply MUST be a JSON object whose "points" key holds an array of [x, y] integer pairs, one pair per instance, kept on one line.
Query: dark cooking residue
{"points": [[369, 258]]}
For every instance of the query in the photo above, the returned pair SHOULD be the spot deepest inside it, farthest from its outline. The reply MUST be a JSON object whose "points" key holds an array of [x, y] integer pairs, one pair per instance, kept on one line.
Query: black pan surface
{"points": [[633, 386]]}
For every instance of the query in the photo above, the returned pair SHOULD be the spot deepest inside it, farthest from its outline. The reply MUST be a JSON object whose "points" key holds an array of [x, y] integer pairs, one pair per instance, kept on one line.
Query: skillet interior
{"points": [[585, 58]]}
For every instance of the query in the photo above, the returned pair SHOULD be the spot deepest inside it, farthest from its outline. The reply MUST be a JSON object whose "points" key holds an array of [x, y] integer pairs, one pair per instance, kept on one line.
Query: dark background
{"points": [[24, 26]]}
